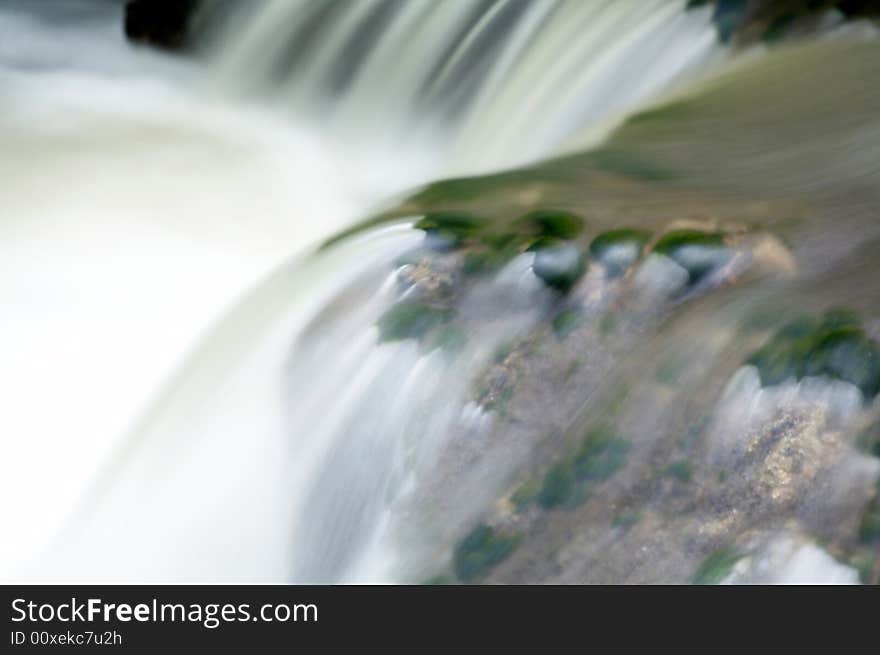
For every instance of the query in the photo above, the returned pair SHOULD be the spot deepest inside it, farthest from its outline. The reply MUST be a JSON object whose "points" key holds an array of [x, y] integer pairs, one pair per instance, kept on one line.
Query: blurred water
{"points": [[208, 390]]}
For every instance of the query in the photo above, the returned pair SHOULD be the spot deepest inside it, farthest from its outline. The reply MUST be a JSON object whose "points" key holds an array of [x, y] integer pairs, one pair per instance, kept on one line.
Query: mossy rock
{"points": [[619, 249], [601, 454], [560, 267], [554, 224], [482, 549], [699, 253], [836, 347], [716, 567], [411, 320]]}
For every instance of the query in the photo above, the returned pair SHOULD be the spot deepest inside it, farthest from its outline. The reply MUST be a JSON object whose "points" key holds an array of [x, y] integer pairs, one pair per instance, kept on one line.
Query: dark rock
{"points": [[162, 23]]}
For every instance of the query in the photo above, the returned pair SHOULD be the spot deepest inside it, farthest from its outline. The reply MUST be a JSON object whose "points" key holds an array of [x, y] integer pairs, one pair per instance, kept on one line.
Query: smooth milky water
{"points": [[190, 392]]}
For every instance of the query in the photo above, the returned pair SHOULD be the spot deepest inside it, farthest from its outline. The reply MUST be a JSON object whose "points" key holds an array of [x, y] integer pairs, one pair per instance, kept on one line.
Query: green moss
{"points": [[567, 322], [482, 549], [680, 470], [560, 267], [836, 348], [411, 321], [554, 224], [716, 567], [699, 253], [625, 236], [450, 230], [671, 242], [601, 454], [558, 487], [619, 249]]}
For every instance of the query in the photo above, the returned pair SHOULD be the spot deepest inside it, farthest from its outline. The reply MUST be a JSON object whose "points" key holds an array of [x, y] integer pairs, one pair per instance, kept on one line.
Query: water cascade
{"points": [[656, 280]]}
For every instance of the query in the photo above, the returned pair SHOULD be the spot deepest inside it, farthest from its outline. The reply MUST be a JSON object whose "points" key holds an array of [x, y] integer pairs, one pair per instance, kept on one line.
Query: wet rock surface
{"points": [[660, 476]]}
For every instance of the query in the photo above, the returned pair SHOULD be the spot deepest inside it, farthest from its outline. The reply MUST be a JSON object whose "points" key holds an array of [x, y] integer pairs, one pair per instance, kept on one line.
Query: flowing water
{"points": [[193, 390]]}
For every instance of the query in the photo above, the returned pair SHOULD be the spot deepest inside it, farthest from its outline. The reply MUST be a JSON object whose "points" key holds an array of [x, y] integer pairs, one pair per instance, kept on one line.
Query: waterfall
{"points": [[218, 395], [480, 84]]}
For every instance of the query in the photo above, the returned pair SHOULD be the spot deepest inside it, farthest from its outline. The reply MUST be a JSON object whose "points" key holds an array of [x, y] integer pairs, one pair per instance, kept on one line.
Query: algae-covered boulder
{"points": [[618, 250]]}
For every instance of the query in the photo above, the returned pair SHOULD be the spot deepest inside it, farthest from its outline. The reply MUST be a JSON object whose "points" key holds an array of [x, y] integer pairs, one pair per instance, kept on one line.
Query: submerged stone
{"points": [[480, 550], [410, 320], [619, 249], [560, 266], [699, 253]]}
